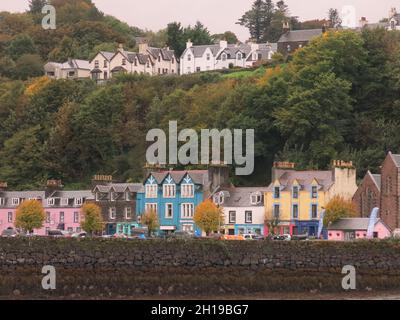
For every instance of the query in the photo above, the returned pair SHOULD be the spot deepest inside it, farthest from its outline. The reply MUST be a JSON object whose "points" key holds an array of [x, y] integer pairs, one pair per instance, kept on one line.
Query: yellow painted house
{"points": [[294, 199]]}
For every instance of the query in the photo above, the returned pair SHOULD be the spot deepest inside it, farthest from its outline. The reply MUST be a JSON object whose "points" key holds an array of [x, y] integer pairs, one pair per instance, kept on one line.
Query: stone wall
{"points": [[118, 268]]}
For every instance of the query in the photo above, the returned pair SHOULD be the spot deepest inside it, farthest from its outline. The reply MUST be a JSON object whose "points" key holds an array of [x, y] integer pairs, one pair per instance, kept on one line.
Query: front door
{"points": [[349, 236]]}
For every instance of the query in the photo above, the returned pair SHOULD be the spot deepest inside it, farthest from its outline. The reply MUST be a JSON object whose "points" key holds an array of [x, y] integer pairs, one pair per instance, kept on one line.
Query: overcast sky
{"points": [[217, 15]]}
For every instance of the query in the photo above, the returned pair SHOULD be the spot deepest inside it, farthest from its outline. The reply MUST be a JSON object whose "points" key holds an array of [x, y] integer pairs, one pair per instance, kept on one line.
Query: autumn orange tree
{"points": [[30, 215], [150, 219], [338, 208], [208, 217], [92, 221]]}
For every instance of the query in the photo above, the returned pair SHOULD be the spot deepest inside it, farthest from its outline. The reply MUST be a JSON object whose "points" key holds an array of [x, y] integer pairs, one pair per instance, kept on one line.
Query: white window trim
{"points": [[112, 213], [169, 190], [184, 190], [51, 201], [76, 215], [78, 201], [166, 211], [126, 213], [187, 210], [15, 201], [151, 191], [2, 201], [151, 206]]}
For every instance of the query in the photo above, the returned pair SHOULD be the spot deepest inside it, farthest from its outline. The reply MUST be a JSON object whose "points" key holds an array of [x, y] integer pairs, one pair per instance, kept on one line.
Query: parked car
{"points": [[282, 237], [55, 233], [300, 237], [79, 235], [232, 237], [9, 233], [180, 235]]}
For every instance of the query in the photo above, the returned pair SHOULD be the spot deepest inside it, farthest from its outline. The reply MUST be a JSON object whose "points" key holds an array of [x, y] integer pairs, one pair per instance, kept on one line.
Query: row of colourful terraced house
{"points": [[293, 201]]}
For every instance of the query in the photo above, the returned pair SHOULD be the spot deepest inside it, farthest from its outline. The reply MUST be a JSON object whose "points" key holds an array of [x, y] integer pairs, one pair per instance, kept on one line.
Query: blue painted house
{"points": [[174, 195]]}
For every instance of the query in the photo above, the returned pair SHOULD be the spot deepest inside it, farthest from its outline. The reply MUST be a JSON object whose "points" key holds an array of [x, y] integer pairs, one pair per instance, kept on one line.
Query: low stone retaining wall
{"points": [[117, 268]]}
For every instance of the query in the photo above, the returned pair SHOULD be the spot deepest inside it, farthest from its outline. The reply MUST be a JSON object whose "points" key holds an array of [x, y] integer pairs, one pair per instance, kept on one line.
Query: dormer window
{"points": [[78, 201], [151, 191], [15, 201], [2, 201], [219, 198], [255, 198], [187, 190], [51, 201], [239, 56], [223, 57], [295, 192], [277, 192], [314, 192], [169, 190]]}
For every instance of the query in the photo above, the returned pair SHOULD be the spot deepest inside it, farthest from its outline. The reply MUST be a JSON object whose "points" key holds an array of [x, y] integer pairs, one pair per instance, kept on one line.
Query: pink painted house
{"points": [[348, 229], [62, 208]]}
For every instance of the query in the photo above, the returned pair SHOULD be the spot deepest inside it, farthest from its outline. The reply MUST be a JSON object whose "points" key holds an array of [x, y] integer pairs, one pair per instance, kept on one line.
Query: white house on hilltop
{"points": [[72, 69], [223, 56]]}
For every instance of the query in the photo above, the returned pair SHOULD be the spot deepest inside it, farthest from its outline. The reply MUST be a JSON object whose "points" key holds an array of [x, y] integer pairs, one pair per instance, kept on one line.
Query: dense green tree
{"points": [[27, 66], [35, 6], [334, 18], [20, 45], [228, 36]]}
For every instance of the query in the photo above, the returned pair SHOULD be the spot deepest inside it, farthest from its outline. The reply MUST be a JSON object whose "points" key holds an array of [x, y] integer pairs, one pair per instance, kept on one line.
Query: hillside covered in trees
{"points": [[338, 98]]}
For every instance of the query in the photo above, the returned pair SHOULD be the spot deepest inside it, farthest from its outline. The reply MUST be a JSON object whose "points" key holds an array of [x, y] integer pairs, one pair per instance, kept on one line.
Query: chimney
{"points": [[286, 26], [223, 44], [218, 174], [344, 178], [149, 168], [99, 179], [143, 47], [392, 13], [53, 185], [3, 186], [280, 167], [189, 44], [121, 47], [363, 22]]}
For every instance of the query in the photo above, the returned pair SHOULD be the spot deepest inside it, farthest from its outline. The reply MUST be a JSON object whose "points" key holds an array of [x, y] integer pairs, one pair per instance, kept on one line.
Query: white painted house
{"points": [[224, 56], [72, 69], [243, 209], [100, 66], [130, 62]]}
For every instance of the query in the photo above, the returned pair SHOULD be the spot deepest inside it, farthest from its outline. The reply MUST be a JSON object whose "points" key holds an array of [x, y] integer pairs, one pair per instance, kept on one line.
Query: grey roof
{"points": [[240, 197], [198, 176], [85, 194], [300, 35], [108, 55], [304, 178], [119, 187], [377, 179], [396, 158], [9, 195], [351, 224], [165, 53]]}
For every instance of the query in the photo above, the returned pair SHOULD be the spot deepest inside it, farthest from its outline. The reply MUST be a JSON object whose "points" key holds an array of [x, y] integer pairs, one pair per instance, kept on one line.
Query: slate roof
{"points": [[198, 176], [377, 179], [396, 158], [304, 178], [351, 224], [165, 53], [108, 55], [119, 187], [9, 195], [240, 197], [300, 35], [70, 64]]}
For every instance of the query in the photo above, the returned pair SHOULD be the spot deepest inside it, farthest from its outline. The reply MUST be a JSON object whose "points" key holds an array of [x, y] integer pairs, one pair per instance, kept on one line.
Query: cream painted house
{"points": [[100, 66]]}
